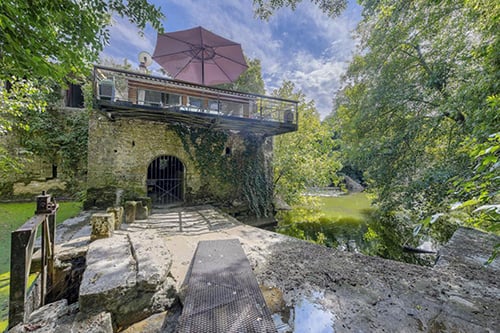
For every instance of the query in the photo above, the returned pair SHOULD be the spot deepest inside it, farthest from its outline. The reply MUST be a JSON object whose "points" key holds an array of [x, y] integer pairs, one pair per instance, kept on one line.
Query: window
{"points": [[213, 105], [172, 99], [74, 96], [152, 97], [196, 102]]}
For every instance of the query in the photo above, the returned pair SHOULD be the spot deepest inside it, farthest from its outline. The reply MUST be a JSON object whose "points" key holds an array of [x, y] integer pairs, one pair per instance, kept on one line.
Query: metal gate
{"points": [[165, 180]]}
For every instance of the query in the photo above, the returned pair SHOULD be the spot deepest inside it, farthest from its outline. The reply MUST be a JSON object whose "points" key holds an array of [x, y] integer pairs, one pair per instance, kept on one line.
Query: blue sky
{"points": [[303, 46]]}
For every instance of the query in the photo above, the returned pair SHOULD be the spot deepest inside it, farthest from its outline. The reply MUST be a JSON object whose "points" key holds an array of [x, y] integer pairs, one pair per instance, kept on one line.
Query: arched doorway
{"points": [[165, 180]]}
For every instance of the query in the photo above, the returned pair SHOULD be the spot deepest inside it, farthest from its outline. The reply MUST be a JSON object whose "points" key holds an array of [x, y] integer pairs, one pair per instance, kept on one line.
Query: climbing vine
{"points": [[241, 171]]}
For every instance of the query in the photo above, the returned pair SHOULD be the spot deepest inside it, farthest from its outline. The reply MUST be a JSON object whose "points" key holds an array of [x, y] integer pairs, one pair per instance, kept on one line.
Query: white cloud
{"points": [[305, 46], [124, 33]]}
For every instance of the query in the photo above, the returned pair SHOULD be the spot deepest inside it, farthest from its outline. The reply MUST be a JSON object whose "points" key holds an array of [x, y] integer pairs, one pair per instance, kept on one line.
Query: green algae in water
{"points": [[348, 222], [333, 222], [352, 207]]}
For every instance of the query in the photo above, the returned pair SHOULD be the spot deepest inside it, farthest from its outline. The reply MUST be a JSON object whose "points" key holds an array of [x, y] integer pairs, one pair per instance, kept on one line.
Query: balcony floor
{"points": [[175, 114]]}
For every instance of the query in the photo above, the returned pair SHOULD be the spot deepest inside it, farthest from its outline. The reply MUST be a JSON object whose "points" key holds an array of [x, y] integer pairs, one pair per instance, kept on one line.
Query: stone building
{"points": [[44, 166], [181, 143]]}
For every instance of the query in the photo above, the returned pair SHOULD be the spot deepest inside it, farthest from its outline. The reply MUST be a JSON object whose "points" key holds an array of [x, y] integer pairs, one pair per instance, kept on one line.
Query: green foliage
{"points": [[249, 81], [304, 158], [47, 43], [58, 39], [59, 138], [419, 107], [479, 190], [22, 97], [243, 171], [265, 8]]}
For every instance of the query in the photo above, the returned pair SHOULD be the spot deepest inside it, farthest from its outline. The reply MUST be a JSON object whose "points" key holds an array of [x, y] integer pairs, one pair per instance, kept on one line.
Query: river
{"points": [[347, 222]]}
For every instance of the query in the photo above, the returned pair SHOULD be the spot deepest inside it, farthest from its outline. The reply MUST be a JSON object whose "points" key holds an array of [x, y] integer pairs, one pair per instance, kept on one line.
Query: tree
{"points": [[250, 80], [265, 8], [59, 39], [22, 97], [416, 96], [304, 158], [44, 44]]}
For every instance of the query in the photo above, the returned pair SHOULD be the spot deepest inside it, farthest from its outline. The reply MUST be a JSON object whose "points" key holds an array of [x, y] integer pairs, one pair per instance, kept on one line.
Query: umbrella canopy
{"points": [[199, 56]]}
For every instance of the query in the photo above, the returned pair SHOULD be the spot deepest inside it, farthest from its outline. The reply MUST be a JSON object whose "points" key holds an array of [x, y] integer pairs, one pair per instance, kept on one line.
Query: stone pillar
{"points": [[118, 214], [146, 202], [103, 225], [141, 212], [130, 211]]}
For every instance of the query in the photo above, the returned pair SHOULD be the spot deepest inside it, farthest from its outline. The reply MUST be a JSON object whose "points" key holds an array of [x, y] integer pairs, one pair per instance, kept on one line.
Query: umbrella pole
{"points": [[203, 66]]}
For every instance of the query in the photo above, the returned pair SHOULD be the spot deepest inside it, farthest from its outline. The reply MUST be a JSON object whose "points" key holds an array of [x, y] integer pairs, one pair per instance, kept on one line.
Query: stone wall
{"points": [[49, 170], [36, 175], [120, 151]]}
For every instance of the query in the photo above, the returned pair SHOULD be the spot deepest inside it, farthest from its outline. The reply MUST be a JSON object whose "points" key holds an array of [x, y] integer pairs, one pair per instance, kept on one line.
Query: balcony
{"points": [[125, 94]]}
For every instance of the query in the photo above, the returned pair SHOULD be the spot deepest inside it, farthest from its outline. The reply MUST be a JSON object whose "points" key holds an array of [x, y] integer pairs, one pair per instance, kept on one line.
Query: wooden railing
{"points": [[22, 246]]}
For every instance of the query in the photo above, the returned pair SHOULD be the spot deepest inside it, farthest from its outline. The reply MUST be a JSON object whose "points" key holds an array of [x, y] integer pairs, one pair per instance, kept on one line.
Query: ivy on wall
{"points": [[241, 172]]}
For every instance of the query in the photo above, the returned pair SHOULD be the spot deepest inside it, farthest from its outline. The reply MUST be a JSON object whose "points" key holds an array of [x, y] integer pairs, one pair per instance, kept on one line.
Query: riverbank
{"points": [[313, 288]]}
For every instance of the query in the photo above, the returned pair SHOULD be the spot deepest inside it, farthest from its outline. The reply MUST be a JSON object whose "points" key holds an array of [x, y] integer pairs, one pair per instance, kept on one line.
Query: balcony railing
{"points": [[138, 91]]}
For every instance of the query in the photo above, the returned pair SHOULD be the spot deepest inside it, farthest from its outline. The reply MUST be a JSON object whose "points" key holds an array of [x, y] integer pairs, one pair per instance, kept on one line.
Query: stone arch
{"points": [[166, 180]]}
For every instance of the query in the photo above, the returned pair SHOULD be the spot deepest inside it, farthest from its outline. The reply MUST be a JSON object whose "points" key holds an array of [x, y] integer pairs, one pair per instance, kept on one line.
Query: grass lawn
{"points": [[12, 216]]}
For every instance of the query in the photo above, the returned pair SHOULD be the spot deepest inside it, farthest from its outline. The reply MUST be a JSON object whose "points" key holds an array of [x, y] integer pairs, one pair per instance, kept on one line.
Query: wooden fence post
{"points": [[19, 264], [52, 238], [23, 241]]}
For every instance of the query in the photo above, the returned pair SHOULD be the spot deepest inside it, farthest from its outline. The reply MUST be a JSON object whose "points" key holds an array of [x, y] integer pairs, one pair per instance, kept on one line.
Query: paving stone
{"points": [[111, 268], [153, 258]]}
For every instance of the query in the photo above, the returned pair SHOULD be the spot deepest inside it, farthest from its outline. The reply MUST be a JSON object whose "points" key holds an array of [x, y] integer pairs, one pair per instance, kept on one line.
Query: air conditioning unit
{"points": [[107, 90]]}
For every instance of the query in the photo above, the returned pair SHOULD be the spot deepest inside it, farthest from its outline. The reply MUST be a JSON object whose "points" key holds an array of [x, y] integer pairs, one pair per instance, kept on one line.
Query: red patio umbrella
{"points": [[199, 56]]}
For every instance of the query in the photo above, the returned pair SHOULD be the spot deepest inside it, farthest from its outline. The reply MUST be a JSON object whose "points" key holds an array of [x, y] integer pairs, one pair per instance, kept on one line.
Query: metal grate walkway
{"points": [[222, 292]]}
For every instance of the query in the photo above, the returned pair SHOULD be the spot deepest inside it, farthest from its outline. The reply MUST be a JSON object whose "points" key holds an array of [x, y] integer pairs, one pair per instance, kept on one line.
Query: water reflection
{"points": [[306, 314], [311, 316]]}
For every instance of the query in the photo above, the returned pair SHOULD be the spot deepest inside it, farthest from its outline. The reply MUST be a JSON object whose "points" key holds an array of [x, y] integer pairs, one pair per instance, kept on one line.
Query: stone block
{"points": [[130, 211], [103, 225], [98, 323], [152, 324], [118, 213], [141, 212], [153, 259], [146, 202], [59, 317], [123, 277]]}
